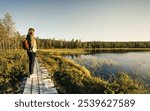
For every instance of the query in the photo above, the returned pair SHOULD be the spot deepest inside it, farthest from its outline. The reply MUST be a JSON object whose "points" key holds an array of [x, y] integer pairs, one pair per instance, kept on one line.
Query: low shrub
{"points": [[13, 69]]}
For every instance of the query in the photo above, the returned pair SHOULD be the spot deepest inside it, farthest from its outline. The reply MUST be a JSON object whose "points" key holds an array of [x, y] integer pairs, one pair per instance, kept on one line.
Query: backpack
{"points": [[25, 44]]}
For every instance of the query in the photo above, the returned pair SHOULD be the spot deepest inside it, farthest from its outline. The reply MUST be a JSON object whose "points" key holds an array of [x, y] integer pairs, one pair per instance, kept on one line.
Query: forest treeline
{"points": [[12, 39], [52, 43]]}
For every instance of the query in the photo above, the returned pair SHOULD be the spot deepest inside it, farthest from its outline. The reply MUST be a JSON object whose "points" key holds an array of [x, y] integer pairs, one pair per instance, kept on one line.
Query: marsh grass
{"points": [[64, 51]]}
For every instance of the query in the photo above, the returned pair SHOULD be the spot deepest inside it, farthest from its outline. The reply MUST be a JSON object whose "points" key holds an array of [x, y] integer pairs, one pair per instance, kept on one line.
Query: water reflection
{"points": [[107, 65]]}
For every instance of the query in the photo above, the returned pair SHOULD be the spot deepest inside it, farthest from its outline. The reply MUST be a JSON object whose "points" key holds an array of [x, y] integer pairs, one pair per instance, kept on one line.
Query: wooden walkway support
{"points": [[40, 82]]}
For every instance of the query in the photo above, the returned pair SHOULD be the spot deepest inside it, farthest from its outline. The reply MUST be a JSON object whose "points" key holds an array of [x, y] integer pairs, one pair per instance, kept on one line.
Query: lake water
{"points": [[136, 64]]}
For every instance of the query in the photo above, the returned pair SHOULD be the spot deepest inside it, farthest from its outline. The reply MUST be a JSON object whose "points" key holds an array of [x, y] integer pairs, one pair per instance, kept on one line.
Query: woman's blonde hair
{"points": [[31, 31], [30, 36]]}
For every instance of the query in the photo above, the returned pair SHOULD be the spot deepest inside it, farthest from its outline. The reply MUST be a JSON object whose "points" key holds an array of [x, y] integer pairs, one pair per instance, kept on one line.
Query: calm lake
{"points": [[105, 65]]}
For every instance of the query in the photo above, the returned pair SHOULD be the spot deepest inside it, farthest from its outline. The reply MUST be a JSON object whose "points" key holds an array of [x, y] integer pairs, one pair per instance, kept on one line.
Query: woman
{"points": [[32, 49]]}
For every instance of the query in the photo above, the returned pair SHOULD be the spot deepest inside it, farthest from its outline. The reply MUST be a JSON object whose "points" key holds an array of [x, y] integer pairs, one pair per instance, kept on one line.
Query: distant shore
{"points": [[138, 49], [67, 51]]}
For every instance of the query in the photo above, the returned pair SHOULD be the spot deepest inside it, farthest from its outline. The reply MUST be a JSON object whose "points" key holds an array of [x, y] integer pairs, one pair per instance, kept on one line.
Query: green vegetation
{"points": [[64, 51], [13, 69], [70, 77]]}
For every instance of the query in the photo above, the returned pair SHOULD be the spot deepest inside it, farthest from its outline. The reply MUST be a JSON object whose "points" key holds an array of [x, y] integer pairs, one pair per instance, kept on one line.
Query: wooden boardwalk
{"points": [[40, 82]]}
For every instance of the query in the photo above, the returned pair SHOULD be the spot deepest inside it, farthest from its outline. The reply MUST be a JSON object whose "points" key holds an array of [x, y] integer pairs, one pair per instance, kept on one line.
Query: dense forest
{"points": [[12, 39]]}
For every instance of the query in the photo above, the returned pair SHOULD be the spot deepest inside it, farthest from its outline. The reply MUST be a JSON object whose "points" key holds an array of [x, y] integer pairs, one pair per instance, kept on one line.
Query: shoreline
{"points": [[67, 51]]}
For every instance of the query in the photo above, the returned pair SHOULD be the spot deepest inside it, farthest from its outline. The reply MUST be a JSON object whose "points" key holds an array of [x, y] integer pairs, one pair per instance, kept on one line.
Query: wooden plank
{"points": [[35, 89], [47, 83], [51, 91], [42, 88], [27, 89]]}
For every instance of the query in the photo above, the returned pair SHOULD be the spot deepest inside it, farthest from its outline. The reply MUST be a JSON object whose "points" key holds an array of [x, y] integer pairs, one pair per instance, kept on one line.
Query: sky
{"points": [[88, 20]]}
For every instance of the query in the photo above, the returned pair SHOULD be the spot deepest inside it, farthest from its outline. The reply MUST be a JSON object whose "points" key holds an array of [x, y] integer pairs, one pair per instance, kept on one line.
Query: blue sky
{"points": [[100, 20]]}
